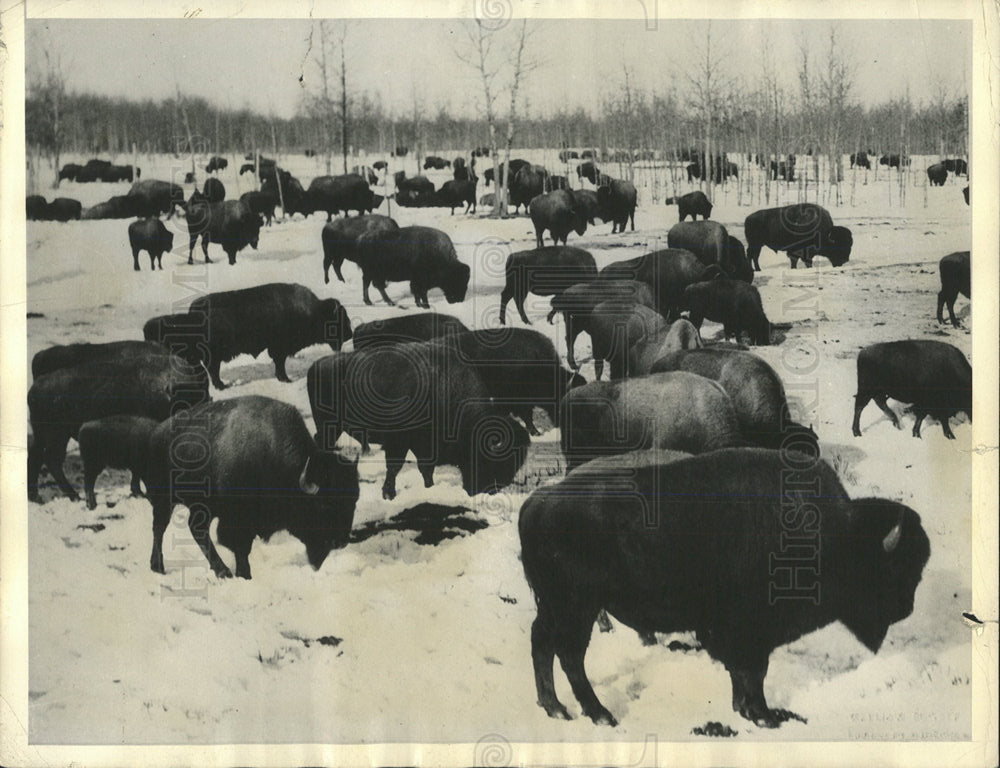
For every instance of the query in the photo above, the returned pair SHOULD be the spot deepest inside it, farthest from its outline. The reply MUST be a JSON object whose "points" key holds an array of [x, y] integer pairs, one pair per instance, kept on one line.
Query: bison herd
{"points": [[683, 439]]}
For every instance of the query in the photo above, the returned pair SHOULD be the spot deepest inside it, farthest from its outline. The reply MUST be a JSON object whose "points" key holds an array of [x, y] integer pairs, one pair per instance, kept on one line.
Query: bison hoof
{"points": [[556, 710], [388, 494], [91, 505], [857, 432], [601, 716], [223, 572], [771, 718], [157, 567], [647, 638]]}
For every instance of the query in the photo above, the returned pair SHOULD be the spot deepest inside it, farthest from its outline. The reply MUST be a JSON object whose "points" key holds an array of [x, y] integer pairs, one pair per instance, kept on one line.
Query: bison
{"points": [[712, 244], [544, 271], [556, 212], [63, 209], [117, 207], [528, 183], [230, 223], [437, 163], [956, 278], [282, 318], [260, 204], [119, 442], [693, 548], [250, 462], [958, 166], [152, 236], [932, 375], [419, 397], [340, 239], [153, 197], [676, 411], [214, 190], [755, 390], [667, 272], [515, 166], [693, 204], [216, 163], [616, 203], [424, 256], [615, 329], [803, 230], [733, 303], [937, 174], [334, 194], [60, 402], [455, 193], [644, 355], [519, 367], [36, 208], [70, 355], [421, 326]]}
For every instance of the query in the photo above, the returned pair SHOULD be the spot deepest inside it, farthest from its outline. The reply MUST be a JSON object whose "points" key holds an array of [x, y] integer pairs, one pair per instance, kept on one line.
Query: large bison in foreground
{"points": [[695, 544], [420, 397], [803, 230], [935, 377], [251, 463]]}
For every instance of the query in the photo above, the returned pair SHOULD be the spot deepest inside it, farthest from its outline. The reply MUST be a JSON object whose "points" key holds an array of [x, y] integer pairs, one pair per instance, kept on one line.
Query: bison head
{"points": [[889, 550], [499, 447], [456, 283], [837, 245], [329, 483], [334, 324]]}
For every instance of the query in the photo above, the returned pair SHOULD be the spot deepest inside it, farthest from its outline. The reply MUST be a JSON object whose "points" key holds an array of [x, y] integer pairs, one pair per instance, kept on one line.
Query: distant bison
{"points": [[119, 442], [437, 163], [519, 367], [673, 411], [424, 256], [544, 271], [334, 194], [735, 304], [282, 318], [154, 197], [556, 212], [693, 204], [216, 163], [36, 208], [937, 174], [340, 239], [152, 236], [515, 166], [258, 472], [755, 390], [230, 223], [616, 201], [529, 182], [667, 272], [455, 193], [690, 544], [935, 377], [419, 397], [260, 204], [421, 326], [956, 278], [214, 190], [63, 209], [712, 244], [965, 193], [803, 230], [70, 171], [958, 166], [860, 159], [117, 207], [60, 402], [894, 161]]}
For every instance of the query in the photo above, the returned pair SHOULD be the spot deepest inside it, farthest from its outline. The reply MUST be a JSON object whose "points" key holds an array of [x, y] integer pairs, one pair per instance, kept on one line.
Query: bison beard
{"points": [[704, 564]]}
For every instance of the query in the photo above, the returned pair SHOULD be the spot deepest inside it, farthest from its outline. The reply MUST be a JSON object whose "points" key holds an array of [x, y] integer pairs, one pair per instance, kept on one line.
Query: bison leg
{"points": [[55, 455], [860, 401], [161, 517], [951, 311], [881, 403], [753, 254], [214, 364], [135, 489], [571, 646], [194, 239], [946, 427], [90, 472], [230, 254], [920, 413], [34, 469], [539, 237], [199, 520], [940, 306], [394, 457], [604, 621], [204, 248], [519, 301], [543, 651], [278, 356], [505, 296], [365, 283], [380, 287], [135, 260]]}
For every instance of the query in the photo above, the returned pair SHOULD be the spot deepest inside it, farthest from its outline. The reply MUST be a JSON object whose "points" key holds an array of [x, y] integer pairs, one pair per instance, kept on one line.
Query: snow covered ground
{"points": [[394, 640]]}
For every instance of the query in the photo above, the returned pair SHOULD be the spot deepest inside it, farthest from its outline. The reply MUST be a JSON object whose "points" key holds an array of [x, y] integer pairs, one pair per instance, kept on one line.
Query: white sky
{"points": [[258, 63]]}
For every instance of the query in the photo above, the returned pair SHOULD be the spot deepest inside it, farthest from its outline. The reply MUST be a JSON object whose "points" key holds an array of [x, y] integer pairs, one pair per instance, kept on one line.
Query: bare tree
{"points": [[45, 110], [482, 55], [322, 105]]}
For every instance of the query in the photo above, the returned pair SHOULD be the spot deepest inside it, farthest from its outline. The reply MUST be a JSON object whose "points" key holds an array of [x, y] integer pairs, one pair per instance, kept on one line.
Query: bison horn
{"points": [[307, 487], [891, 539]]}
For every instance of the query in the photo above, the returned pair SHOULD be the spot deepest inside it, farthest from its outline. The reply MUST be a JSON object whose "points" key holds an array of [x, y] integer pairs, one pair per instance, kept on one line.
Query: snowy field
{"points": [[395, 640]]}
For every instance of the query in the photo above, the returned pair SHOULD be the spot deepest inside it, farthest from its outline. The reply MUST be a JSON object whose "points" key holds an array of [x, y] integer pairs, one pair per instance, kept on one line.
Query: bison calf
{"points": [[689, 544], [119, 442], [935, 377]]}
